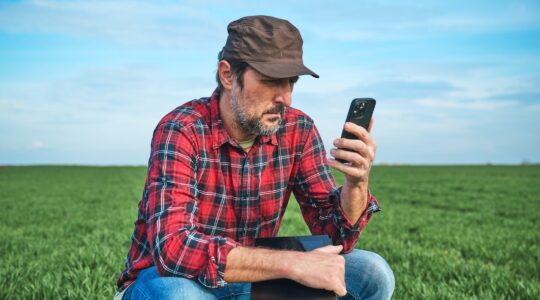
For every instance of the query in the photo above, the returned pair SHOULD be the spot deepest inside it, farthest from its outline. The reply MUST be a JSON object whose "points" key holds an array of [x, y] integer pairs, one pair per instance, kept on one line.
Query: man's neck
{"points": [[229, 122]]}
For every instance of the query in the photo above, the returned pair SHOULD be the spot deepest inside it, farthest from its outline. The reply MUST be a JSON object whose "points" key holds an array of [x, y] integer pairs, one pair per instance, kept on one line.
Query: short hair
{"points": [[238, 68]]}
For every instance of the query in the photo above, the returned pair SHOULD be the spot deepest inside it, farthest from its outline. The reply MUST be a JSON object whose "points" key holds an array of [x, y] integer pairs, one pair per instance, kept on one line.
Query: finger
{"points": [[342, 291], [330, 249], [355, 145], [342, 288], [354, 158], [353, 171], [360, 132], [346, 154], [355, 129]]}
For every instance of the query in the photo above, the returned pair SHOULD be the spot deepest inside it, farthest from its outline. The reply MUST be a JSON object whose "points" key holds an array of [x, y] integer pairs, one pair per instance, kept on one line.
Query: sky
{"points": [[456, 82]]}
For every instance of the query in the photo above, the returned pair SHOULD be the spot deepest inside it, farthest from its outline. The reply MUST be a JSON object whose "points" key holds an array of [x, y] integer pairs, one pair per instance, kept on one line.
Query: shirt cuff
{"points": [[218, 249], [372, 207]]}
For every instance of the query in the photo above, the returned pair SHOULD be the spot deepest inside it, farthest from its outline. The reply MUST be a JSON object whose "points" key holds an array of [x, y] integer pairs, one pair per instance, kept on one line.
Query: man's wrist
{"points": [[246, 264], [289, 264], [354, 200]]}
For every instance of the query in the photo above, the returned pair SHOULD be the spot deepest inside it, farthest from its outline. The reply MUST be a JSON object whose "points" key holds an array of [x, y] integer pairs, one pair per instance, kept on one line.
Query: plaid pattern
{"points": [[204, 195]]}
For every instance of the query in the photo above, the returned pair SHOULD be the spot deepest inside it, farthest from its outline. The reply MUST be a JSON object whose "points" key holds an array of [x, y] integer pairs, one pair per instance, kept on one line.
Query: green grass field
{"points": [[459, 232]]}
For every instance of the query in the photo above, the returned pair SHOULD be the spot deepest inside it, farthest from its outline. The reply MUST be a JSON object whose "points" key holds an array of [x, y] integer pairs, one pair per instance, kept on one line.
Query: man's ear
{"points": [[225, 74]]}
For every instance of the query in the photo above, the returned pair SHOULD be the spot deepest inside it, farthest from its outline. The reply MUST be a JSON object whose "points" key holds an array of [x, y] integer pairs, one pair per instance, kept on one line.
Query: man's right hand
{"points": [[322, 268]]}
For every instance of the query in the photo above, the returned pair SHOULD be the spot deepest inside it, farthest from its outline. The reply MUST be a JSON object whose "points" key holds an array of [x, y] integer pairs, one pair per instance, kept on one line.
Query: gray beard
{"points": [[253, 125]]}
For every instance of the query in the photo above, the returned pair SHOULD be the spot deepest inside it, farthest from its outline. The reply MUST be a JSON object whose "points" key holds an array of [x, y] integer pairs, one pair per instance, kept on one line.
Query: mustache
{"points": [[276, 109]]}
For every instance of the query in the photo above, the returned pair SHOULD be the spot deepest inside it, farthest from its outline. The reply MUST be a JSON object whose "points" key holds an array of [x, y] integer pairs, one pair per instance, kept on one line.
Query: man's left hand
{"points": [[360, 157]]}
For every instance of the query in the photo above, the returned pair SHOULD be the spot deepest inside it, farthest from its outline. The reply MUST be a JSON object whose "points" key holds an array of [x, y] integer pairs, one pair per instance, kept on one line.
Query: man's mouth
{"points": [[272, 118], [276, 111]]}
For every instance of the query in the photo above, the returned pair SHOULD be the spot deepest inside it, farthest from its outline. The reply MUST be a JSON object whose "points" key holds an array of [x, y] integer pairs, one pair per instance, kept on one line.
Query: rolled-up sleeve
{"points": [[319, 197], [178, 248]]}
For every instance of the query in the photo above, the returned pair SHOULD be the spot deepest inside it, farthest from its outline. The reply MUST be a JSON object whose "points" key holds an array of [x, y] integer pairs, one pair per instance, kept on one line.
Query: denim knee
{"points": [[150, 285], [368, 275]]}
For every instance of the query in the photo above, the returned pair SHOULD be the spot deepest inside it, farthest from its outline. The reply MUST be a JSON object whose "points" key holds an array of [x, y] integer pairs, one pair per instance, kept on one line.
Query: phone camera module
{"points": [[359, 110]]}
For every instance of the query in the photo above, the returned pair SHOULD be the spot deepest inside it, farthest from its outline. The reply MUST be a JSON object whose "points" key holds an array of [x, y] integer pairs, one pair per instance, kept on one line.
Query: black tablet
{"points": [[284, 288]]}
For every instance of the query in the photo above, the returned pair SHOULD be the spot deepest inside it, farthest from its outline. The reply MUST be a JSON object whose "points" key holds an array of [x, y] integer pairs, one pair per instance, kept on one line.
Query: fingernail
{"points": [[336, 142]]}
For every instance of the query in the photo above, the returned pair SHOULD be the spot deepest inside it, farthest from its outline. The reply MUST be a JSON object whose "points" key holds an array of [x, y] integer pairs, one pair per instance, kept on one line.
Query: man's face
{"points": [[259, 107]]}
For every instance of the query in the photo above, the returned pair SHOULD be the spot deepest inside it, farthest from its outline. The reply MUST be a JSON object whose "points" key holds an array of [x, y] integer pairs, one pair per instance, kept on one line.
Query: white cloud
{"points": [[533, 108], [403, 20], [108, 113], [464, 104], [38, 145], [490, 18], [186, 24], [10, 105], [100, 94], [437, 116], [154, 24]]}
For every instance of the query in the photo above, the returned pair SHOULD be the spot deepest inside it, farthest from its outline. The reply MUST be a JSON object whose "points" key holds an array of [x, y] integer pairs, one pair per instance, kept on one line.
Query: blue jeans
{"points": [[367, 276]]}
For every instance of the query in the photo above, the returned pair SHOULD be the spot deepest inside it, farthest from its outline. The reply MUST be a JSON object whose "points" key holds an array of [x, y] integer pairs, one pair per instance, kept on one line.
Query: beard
{"points": [[253, 124]]}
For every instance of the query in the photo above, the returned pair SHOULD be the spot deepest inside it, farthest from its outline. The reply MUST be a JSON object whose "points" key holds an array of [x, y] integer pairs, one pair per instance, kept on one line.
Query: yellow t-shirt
{"points": [[246, 145]]}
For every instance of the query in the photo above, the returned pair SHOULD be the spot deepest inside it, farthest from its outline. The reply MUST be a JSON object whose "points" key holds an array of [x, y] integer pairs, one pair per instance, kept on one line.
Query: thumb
{"points": [[330, 249]]}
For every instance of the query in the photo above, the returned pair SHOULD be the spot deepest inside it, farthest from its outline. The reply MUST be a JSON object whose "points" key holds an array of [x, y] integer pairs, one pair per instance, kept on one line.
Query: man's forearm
{"points": [[257, 264], [354, 200]]}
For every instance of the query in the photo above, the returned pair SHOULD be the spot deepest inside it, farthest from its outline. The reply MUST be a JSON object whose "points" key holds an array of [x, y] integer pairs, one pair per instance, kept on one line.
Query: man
{"points": [[220, 174]]}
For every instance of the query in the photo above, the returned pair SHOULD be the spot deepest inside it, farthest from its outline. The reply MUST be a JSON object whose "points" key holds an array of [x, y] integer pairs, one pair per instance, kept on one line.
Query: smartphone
{"points": [[360, 114]]}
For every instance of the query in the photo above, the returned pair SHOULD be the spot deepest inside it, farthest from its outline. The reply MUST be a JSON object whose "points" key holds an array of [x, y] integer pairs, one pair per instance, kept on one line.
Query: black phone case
{"points": [[361, 120]]}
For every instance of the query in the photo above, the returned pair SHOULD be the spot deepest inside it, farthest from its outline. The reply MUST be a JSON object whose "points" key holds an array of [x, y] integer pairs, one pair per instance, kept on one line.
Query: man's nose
{"points": [[284, 93]]}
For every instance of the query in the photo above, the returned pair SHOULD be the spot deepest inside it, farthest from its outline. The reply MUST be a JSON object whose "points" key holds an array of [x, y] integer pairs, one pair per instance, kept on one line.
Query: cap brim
{"points": [[282, 70]]}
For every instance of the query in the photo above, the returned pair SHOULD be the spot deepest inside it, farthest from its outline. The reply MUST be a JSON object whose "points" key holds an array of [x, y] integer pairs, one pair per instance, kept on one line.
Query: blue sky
{"points": [[456, 82]]}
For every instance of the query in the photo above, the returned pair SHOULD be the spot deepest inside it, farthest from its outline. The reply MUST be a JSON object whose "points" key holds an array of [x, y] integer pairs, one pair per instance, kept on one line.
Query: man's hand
{"points": [[360, 157], [322, 268], [354, 194]]}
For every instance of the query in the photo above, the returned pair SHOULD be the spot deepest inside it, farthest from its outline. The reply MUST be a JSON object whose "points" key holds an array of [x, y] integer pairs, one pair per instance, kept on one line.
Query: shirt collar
{"points": [[219, 134]]}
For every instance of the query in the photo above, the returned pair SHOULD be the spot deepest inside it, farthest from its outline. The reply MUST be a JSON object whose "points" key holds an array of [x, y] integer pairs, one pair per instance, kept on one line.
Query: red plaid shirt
{"points": [[204, 195]]}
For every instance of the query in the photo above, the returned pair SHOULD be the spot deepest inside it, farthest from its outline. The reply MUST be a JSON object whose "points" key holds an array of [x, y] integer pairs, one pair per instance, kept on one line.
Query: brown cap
{"points": [[269, 45]]}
